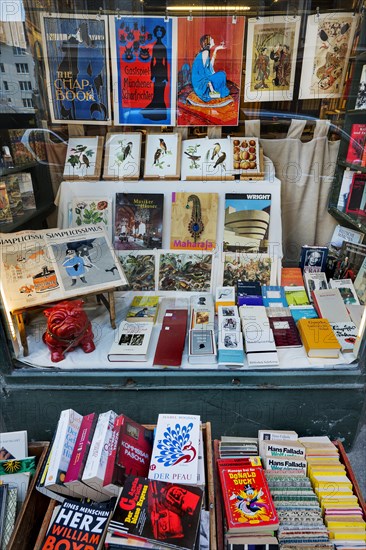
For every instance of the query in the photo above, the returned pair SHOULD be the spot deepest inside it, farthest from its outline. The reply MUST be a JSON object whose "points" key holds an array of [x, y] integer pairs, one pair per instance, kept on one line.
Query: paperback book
{"points": [[152, 512], [131, 342], [318, 338], [346, 289], [143, 309], [138, 222], [356, 144]]}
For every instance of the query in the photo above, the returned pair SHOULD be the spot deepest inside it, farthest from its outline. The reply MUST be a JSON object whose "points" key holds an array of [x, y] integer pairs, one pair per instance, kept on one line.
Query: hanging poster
{"points": [[210, 55], [271, 58], [77, 68], [328, 42], [143, 69]]}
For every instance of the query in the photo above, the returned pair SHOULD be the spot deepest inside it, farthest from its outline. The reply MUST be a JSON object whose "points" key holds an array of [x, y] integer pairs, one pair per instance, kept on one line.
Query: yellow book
{"points": [[342, 524], [143, 309], [318, 338], [347, 536]]}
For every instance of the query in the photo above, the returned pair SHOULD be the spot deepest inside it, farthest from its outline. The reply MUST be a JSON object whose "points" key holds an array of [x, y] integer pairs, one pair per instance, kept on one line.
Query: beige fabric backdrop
{"points": [[306, 172]]}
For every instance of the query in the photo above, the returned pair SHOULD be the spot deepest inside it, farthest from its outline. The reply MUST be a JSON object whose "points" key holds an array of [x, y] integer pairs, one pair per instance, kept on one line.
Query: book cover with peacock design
{"points": [[175, 453], [193, 221]]}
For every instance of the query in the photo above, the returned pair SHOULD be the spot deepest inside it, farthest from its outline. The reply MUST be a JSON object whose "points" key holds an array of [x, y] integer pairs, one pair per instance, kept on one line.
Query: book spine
{"points": [[316, 304], [57, 448], [112, 451], [81, 449]]}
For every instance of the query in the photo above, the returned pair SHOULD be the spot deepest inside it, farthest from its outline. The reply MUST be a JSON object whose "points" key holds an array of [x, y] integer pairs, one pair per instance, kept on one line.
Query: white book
{"points": [[355, 312], [201, 346], [249, 314], [96, 463], [346, 334], [176, 449], [15, 445], [131, 342], [201, 479], [202, 312], [346, 289], [63, 445], [314, 281], [329, 305], [259, 342], [342, 234]]}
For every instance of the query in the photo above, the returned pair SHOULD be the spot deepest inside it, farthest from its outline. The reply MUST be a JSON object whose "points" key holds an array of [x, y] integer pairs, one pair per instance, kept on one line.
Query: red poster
{"points": [[210, 54]]}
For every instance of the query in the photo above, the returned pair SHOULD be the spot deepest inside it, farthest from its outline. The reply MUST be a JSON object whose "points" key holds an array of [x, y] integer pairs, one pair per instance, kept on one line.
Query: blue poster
{"points": [[77, 69], [144, 72]]}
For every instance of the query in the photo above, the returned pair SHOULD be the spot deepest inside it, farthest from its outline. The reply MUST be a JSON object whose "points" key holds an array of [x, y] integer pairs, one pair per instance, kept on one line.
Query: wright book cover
{"points": [[158, 512], [247, 500]]}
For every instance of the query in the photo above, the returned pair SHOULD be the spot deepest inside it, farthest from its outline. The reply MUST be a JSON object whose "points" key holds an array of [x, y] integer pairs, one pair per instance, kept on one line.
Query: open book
{"points": [[38, 267]]}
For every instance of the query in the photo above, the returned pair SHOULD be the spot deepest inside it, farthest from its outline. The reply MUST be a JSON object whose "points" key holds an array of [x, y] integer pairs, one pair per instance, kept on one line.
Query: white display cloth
{"points": [[306, 170]]}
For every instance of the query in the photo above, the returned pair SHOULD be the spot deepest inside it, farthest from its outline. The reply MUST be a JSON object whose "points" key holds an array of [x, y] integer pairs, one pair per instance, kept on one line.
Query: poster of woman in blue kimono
{"points": [[143, 70], [209, 70], [77, 68]]}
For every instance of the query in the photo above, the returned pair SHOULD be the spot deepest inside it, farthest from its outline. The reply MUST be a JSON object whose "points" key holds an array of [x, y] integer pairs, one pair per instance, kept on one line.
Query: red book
{"points": [[356, 144], [170, 346], [356, 202], [247, 500], [285, 332], [130, 453], [291, 276]]}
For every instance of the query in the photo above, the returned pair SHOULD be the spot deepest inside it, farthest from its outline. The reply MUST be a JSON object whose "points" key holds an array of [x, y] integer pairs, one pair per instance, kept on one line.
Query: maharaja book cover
{"points": [[158, 512], [193, 221]]}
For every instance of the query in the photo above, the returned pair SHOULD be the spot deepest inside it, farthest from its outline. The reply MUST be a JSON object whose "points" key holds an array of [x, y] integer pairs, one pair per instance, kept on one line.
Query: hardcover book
{"points": [[299, 312], [285, 332], [356, 202], [313, 258], [153, 513], [249, 293], [201, 347], [296, 296], [193, 221], [329, 304], [291, 276], [95, 467], [247, 218], [349, 262], [247, 500], [50, 265], [318, 338], [356, 144], [131, 454], [143, 309], [172, 337], [314, 281], [202, 312], [138, 222], [346, 334], [62, 448], [175, 452], [131, 342], [85, 524], [273, 296], [346, 289], [15, 445]]}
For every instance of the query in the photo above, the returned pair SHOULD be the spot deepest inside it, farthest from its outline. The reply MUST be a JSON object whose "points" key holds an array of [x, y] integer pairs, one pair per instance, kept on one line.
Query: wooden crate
{"points": [[350, 473], [32, 513], [209, 502]]}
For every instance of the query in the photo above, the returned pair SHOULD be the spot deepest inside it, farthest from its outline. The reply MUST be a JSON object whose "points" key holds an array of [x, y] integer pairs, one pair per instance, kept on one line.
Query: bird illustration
{"points": [[157, 155], [192, 157], [127, 151], [221, 159], [86, 161], [163, 146], [216, 150], [112, 269]]}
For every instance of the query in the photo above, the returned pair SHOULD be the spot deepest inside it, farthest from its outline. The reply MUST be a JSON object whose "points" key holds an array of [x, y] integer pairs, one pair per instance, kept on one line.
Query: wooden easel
{"points": [[18, 314]]}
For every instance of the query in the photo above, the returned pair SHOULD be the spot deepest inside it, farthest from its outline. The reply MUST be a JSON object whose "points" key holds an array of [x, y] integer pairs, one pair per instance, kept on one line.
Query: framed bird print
{"points": [[84, 158], [206, 159], [76, 55], [194, 221], [162, 156], [122, 156], [143, 70], [271, 58], [328, 43]]}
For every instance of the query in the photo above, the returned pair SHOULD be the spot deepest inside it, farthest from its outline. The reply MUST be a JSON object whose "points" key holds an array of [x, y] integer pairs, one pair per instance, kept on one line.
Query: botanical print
{"points": [[328, 43], [248, 267], [86, 210], [143, 70], [77, 68], [361, 95], [185, 271], [271, 58], [209, 70], [139, 268], [162, 155], [122, 156], [83, 157], [206, 159]]}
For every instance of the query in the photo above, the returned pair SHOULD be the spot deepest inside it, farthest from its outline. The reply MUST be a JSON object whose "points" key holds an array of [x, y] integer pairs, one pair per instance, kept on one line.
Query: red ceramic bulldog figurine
{"points": [[68, 327]]}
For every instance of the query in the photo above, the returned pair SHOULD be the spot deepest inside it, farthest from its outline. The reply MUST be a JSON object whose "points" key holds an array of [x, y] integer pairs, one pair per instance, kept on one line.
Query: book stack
{"points": [[163, 510], [91, 456], [259, 342], [341, 510], [230, 339], [281, 450], [225, 296], [250, 514], [238, 447], [202, 342]]}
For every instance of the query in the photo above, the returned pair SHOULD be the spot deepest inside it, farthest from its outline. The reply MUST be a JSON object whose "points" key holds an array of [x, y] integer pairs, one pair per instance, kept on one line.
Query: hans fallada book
{"points": [[157, 512], [247, 500], [44, 266]]}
